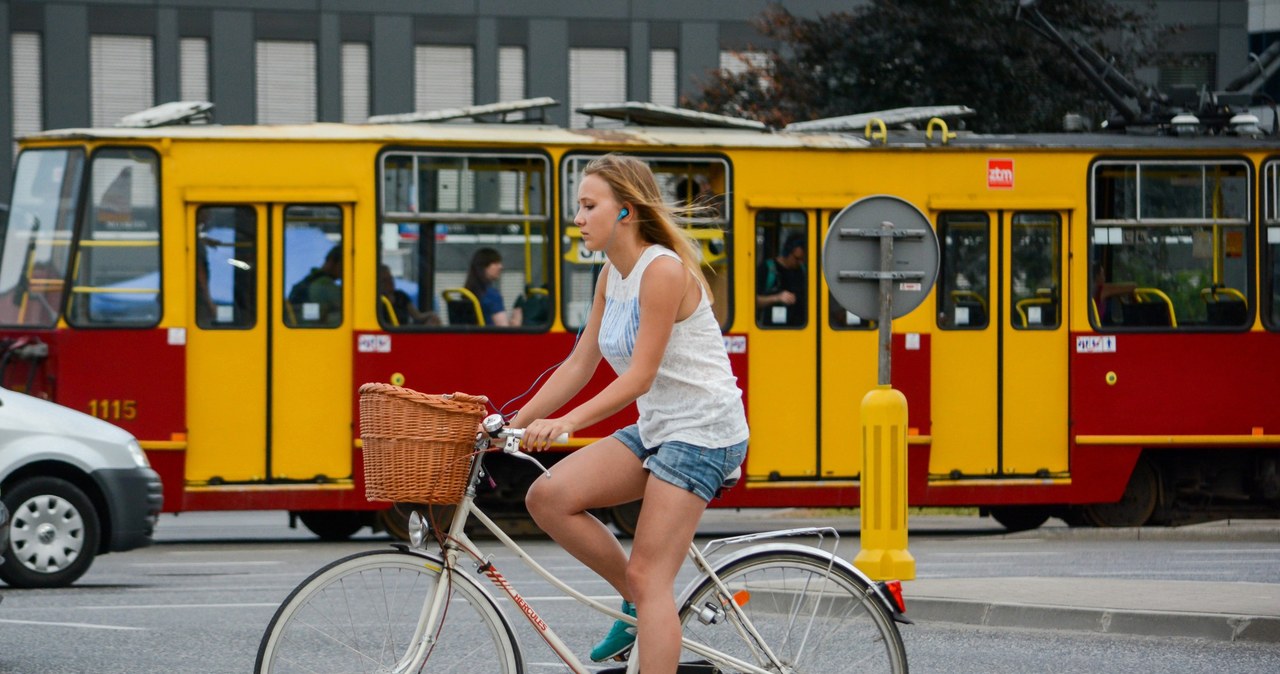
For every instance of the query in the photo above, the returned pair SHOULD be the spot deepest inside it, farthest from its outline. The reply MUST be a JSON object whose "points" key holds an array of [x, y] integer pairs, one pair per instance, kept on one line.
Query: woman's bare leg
{"points": [[668, 521], [604, 473]]}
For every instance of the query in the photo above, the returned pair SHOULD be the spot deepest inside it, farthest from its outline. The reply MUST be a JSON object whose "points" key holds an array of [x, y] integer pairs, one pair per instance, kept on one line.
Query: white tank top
{"points": [[695, 397]]}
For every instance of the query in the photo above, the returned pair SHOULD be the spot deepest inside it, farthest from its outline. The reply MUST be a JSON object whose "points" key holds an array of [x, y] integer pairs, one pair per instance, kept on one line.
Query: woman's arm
{"points": [[574, 372], [662, 290]]}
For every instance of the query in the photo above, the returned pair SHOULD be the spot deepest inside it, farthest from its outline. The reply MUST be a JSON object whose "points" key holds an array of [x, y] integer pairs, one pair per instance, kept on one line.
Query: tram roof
{"points": [[1112, 141], [505, 134], [641, 136]]}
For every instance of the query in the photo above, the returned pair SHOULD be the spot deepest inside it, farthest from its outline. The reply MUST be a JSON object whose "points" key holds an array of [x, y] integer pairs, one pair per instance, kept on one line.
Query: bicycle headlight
{"points": [[417, 529]]}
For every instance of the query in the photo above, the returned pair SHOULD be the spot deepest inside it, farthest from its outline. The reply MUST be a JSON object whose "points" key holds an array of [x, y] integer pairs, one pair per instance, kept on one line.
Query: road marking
{"points": [[1236, 551], [1208, 574], [155, 606], [262, 563], [1007, 553], [1249, 562], [84, 625], [270, 552]]}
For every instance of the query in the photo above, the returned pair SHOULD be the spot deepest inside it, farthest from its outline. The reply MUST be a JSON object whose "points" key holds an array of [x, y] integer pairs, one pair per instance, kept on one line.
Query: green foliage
{"points": [[889, 54]]}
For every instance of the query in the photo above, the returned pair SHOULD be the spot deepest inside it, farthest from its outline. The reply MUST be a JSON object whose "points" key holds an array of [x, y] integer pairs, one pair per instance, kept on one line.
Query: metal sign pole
{"points": [[886, 303], [850, 254], [883, 530]]}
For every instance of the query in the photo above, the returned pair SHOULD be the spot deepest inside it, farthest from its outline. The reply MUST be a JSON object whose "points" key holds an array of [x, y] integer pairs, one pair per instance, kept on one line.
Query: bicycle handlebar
{"points": [[496, 427]]}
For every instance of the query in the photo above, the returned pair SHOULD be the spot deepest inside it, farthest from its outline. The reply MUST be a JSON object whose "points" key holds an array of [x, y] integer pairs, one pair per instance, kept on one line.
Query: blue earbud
{"points": [[623, 213]]}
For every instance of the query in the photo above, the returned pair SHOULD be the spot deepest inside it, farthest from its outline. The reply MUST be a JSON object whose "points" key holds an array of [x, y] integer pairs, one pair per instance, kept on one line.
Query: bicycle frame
{"points": [[456, 543]]}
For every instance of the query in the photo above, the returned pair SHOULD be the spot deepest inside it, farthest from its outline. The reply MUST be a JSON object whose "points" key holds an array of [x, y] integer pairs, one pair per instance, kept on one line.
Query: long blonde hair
{"points": [[633, 183]]}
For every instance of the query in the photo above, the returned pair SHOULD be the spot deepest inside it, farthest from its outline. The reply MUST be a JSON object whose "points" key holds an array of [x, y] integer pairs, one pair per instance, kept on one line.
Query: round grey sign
{"points": [[851, 255]]}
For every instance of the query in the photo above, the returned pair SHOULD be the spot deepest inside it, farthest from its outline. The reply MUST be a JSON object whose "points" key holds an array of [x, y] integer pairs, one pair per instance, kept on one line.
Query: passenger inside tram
{"points": [[317, 298], [483, 275], [395, 307], [1107, 295]]}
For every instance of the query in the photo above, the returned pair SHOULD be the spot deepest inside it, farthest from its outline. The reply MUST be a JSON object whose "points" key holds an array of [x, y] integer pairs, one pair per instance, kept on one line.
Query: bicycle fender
{"points": [[795, 548]]}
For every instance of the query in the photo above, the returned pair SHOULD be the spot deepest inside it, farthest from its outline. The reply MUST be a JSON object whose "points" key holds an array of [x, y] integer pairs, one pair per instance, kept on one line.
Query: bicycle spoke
{"points": [[361, 615], [813, 618]]}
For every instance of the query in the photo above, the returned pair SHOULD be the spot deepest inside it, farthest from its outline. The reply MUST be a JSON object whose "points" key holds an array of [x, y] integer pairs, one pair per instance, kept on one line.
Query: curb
{"points": [[1243, 530], [1214, 626]]}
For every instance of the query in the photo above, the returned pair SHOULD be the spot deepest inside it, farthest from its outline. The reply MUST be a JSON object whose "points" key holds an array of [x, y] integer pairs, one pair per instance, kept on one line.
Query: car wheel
{"points": [[334, 525], [53, 533], [1020, 518]]}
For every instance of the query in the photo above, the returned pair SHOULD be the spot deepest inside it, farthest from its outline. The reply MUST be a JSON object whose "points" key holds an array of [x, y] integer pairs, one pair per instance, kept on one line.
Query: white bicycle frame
{"points": [[457, 543]]}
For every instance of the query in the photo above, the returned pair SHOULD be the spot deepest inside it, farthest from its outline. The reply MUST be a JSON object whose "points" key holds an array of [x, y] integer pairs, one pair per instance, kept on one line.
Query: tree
{"points": [[890, 54]]}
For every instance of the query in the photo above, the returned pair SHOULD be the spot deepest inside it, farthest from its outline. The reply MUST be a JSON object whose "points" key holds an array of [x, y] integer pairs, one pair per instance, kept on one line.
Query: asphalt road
{"points": [[199, 599]]}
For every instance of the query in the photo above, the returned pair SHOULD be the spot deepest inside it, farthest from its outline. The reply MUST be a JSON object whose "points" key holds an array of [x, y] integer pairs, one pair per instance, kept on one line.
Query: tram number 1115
{"points": [[111, 410]]}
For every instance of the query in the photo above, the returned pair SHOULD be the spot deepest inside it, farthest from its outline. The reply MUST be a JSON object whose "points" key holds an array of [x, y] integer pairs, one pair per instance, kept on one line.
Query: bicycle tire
{"points": [[358, 614], [811, 625]]}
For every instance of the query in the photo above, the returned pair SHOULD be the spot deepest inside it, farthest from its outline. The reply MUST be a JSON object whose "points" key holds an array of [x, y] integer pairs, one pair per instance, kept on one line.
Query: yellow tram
{"points": [[1101, 342]]}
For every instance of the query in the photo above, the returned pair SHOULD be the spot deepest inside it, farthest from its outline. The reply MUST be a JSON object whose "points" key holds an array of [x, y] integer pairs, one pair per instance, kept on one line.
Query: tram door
{"points": [[227, 386], [311, 343], [1034, 345], [999, 356], [964, 372], [269, 347], [782, 399]]}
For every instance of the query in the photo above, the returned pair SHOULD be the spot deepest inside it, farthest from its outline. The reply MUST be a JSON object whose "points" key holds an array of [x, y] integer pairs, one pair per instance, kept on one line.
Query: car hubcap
{"points": [[47, 534]]}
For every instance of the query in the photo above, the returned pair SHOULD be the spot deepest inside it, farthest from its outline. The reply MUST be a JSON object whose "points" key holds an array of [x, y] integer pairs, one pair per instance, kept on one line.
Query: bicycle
{"points": [[768, 608]]}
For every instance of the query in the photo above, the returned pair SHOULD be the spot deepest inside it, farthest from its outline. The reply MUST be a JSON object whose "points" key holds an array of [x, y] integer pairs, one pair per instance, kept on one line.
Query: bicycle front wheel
{"points": [[814, 618], [359, 614]]}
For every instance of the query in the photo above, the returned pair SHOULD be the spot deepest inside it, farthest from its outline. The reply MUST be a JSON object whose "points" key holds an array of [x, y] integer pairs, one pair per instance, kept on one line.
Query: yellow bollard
{"points": [[884, 552]]}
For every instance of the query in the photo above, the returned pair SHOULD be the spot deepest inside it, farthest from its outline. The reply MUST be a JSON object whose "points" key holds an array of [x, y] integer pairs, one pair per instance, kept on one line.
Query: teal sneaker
{"points": [[619, 639]]}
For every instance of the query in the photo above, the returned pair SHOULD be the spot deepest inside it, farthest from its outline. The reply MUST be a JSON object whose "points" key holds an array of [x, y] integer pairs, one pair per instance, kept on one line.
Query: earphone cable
{"points": [[595, 273]]}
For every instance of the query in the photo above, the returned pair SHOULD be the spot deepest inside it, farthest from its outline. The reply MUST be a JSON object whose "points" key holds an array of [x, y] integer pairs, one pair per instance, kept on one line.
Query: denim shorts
{"points": [[695, 469]]}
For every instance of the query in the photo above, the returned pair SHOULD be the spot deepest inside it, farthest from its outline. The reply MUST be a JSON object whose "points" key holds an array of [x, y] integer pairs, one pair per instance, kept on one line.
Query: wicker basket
{"points": [[417, 446]]}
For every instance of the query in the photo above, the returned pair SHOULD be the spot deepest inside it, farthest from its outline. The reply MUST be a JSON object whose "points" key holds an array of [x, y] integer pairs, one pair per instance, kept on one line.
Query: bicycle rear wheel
{"points": [[359, 614], [814, 622]]}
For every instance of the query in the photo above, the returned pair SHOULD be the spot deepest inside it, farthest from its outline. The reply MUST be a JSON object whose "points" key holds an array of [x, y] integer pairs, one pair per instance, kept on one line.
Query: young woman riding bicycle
{"points": [[651, 319]]}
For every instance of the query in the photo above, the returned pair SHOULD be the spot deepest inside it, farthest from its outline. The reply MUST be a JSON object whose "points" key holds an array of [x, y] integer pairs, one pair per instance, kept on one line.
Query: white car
{"points": [[74, 486]]}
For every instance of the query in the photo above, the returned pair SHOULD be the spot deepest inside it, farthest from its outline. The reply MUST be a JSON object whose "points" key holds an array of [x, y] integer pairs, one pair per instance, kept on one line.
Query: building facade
{"points": [[78, 63]]}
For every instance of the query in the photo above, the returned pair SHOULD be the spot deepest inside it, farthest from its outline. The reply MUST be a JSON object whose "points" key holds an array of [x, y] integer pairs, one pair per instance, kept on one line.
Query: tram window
{"points": [[1271, 244], [117, 263], [782, 269], [964, 280], [451, 183], [1035, 272], [490, 276], [226, 269], [37, 241], [698, 191], [1170, 191], [1170, 245], [1272, 277], [444, 212], [313, 266]]}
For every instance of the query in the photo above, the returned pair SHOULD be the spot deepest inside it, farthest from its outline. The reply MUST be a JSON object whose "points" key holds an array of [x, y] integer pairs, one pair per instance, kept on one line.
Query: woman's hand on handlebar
{"points": [[540, 434]]}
